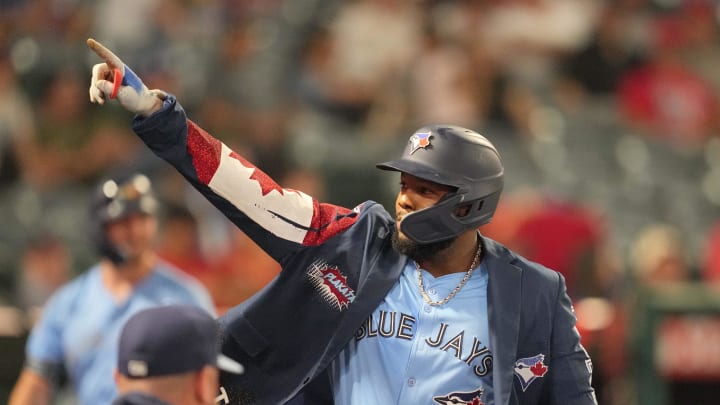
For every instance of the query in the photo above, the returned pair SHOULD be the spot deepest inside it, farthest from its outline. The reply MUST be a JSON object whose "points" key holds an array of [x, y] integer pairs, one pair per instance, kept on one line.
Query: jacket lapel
{"points": [[369, 295], [504, 300]]}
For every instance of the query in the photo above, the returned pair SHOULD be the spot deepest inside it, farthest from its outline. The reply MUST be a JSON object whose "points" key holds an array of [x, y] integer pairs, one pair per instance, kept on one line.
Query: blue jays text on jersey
{"points": [[386, 327]]}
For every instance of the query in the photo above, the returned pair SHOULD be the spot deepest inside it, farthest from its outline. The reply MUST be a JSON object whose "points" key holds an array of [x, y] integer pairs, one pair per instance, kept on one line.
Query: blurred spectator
{"points": [[664, 98], [231, 272], [306, 180], [127, 34], [239, 106], [660, 266], [222, 111], [444, 87], [47, 37], [75, 142], [516, 206], [45, 265], [511, 31], [567, 237], [373, 40], [710, 260], [81, 322], [179, 241], [17, 127], [603, 327], [658, 257], [240, 273], [698, 21], [368, 44], [597, 67]]}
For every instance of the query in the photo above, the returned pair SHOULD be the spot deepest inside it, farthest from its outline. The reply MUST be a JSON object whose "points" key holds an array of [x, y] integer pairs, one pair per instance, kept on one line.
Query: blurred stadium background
{"points": [[606, 113]]}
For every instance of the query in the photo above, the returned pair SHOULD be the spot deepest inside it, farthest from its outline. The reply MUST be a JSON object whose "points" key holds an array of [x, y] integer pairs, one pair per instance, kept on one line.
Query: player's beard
{"points": [[419, 251]]}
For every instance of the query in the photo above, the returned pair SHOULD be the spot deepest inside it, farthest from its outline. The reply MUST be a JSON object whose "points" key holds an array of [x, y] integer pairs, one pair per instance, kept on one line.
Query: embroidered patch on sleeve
{"points": [[331, 284], [529, 369]]}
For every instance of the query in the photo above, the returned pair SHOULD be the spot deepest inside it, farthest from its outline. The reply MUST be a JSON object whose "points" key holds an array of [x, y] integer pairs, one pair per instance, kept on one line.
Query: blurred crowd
{"points": [[606, 113]]}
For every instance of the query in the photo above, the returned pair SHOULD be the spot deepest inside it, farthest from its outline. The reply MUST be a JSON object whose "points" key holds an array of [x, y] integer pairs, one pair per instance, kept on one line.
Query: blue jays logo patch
{"points": [[419, 140], [529, 369], [331, 284], [461, 398]]}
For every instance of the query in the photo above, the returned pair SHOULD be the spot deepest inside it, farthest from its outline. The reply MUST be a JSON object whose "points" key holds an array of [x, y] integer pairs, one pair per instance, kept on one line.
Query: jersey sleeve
{"points": [[44, 349], [278, 219]]}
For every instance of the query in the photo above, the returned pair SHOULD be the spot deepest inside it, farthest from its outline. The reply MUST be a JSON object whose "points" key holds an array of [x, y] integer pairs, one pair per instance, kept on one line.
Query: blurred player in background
{"points": [[78, 331], [374, 308]]}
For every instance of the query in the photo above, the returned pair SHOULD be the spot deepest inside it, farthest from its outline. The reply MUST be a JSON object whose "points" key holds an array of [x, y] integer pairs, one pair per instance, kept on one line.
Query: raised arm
{"points": [[280, 220]]}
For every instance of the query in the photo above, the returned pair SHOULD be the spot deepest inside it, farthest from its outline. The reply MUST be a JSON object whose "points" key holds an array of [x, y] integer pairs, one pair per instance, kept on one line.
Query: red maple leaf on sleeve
{"points": [[538, 369], [266, 183]]}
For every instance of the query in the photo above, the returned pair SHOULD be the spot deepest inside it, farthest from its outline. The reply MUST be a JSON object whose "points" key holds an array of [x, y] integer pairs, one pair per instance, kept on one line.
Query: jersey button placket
{"points": [[432, 293]]}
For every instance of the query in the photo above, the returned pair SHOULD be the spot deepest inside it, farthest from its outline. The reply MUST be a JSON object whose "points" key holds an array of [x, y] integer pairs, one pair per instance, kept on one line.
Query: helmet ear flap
{"points": [[448, 218], [432, 224], [440, 221]]}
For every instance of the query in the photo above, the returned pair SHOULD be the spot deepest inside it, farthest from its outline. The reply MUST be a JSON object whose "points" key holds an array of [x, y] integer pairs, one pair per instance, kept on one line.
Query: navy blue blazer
{"points": [[338, 264]]}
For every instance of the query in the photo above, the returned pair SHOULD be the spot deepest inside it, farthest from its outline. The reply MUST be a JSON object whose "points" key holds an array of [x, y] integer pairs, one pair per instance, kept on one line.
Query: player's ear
{"points": [[119, 381], [206, 385]]}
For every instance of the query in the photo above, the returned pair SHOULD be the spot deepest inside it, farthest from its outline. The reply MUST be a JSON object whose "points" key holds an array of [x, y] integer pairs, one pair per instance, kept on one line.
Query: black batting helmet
{"points": [[115, 200], [456, 157]]}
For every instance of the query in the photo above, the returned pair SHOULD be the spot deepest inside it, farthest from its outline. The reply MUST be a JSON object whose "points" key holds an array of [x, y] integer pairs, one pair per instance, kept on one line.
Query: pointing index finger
{"points": [[110, 58]]}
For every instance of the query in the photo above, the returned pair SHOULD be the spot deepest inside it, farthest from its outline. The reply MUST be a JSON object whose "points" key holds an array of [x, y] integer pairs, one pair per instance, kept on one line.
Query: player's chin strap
{"points": [[103, 246], [111, 252]]}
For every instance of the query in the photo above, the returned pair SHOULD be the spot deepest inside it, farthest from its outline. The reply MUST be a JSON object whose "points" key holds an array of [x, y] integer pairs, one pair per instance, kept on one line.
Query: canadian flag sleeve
{"points": [[268, 213]]}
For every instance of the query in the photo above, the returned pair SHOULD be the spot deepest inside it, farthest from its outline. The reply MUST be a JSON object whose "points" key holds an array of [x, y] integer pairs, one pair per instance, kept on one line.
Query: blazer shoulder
{"points": [[531, 271]]}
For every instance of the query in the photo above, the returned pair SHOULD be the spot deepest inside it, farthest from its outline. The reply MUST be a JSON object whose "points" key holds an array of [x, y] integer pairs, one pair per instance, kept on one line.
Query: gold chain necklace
{"points": [[468, 273]]}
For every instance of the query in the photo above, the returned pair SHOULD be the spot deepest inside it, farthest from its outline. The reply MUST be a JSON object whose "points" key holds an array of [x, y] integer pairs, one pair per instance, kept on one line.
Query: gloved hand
{"points": [[113, 79]]}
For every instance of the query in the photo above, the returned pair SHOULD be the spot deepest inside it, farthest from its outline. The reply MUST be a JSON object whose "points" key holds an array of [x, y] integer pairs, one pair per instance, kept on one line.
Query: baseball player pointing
{"points": [[374, 308]]}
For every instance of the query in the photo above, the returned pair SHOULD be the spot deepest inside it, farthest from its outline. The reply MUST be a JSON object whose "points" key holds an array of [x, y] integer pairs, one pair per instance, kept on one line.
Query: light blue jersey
{"points": [[81, 324], [409, 352]]}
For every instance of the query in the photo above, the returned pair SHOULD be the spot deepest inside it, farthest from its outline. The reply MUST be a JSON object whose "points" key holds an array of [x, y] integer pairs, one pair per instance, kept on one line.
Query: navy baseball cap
{"points": [[172, 339]]}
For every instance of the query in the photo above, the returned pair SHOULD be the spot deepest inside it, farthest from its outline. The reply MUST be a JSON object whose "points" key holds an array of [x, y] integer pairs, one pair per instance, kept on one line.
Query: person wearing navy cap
{"points": [[169, 356]]}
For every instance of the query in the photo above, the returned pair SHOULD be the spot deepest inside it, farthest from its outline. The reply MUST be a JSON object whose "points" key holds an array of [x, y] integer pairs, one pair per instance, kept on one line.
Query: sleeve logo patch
{"points": [[529, 369], [331, 284]]}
